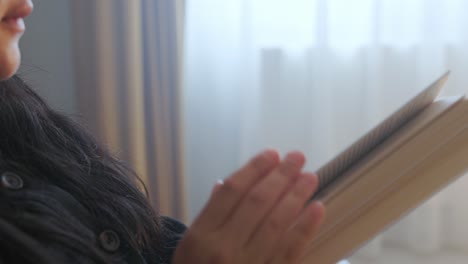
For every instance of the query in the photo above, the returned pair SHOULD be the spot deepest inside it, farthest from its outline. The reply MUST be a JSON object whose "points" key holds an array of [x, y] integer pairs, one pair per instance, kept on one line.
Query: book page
{"points": [[346, 159]]}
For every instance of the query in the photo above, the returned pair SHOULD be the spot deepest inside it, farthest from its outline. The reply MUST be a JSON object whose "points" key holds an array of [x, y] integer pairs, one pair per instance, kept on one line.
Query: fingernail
{"points": [[295, 158], [309, 178], [270, 154], [217, 186], [319, 203]]}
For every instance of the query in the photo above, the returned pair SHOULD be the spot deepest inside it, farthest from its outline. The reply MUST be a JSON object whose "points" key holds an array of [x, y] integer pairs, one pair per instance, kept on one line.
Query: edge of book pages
{"points": [[332, 170], [373, 183]]}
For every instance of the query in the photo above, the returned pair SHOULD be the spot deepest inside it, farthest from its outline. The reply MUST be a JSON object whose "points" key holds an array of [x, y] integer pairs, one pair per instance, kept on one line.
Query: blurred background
{"points": [[186, 91]]}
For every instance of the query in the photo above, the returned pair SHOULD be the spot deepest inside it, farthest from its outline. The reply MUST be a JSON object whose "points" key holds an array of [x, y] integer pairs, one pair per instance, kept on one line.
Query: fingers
{"points": [[227, 195], [283, 215], [217, 186], [262, 197], [257, 215], [294, 245]]}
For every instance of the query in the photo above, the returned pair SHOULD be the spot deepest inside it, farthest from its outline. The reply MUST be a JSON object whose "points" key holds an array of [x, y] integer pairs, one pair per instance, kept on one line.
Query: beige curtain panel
{"points": [[128, 68]]}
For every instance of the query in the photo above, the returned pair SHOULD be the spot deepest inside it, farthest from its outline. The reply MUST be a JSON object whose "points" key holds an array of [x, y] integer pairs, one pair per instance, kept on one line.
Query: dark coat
{"points": [[64, 232]]}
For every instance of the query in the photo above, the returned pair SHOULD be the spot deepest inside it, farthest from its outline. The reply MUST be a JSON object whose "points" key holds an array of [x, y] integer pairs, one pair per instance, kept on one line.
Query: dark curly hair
{"points": [[72, 190]]}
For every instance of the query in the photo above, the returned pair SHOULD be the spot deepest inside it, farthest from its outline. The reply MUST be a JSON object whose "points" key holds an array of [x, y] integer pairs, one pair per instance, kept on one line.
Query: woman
{"points": [[65, 199]]}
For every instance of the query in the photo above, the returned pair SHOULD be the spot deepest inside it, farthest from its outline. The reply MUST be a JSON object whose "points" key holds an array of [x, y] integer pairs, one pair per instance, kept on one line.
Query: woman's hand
{"points": [[257, 215]]}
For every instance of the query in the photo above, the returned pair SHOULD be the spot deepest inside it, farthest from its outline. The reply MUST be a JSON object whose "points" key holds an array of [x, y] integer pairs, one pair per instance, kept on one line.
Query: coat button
{"points": [[11, 181], [109, 240]]}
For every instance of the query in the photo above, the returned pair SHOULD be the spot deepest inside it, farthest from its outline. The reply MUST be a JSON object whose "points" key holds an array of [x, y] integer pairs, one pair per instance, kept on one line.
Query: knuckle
{"points": [[192, 237], [303, 231], [220, 256], [195, 242], [231, 186], [273, 225], [259, 164], [291, 255], [257, 198], [189, 244], [299, 194], [287, 168]]}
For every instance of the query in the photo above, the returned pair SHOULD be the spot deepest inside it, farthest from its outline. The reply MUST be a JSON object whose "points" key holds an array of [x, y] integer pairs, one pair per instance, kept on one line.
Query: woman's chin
{"points": [[9, 62]]}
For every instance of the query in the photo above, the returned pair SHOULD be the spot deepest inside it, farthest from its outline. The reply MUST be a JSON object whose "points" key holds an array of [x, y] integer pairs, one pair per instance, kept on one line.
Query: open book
{"points": [[389, 171]]}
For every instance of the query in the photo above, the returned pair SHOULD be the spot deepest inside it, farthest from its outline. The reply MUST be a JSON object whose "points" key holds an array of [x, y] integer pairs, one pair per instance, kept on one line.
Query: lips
{"points": [[14, 16]]}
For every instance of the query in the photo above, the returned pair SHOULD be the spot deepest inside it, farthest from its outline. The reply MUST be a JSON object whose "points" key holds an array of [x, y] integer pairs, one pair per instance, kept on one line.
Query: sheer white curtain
{"points": [[314, 75]]}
